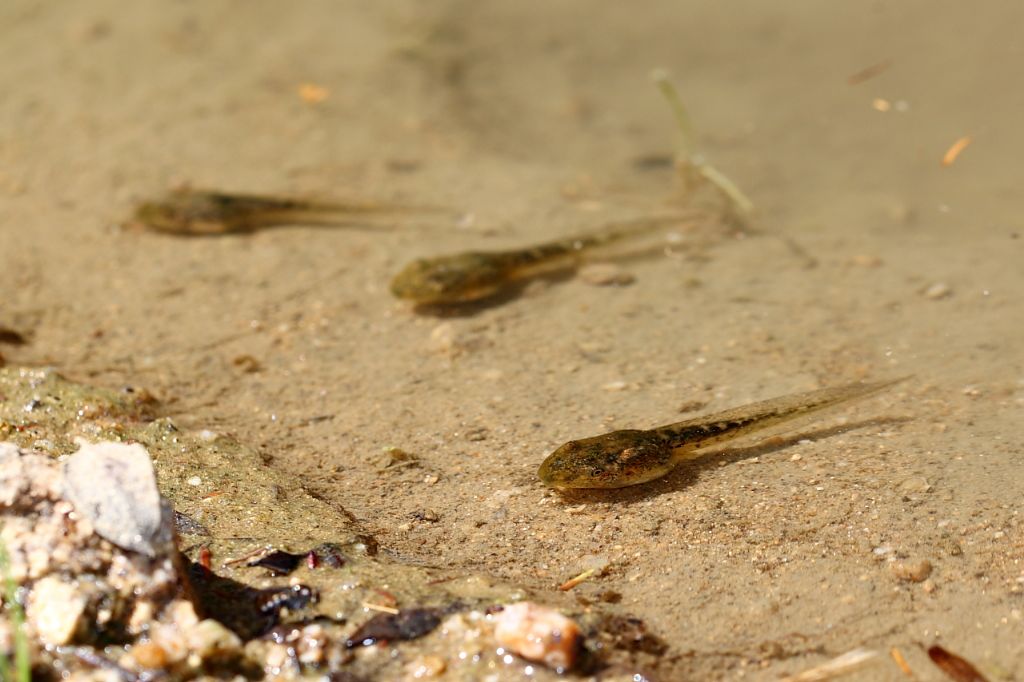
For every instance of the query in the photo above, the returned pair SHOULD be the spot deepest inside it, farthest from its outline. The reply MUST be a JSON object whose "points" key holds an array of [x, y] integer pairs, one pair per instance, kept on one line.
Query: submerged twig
{"points": [[841, 665], [573, 582], [690, 164], [901, 662]]}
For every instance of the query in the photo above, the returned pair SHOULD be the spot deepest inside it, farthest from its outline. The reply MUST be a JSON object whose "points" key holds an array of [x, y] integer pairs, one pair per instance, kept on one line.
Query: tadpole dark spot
{"points": [[653, 161]]}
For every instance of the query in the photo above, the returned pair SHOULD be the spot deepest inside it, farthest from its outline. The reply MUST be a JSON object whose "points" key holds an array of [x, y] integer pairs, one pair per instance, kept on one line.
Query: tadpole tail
{"points": [[693, 434], [577, 246], [310, 216]]}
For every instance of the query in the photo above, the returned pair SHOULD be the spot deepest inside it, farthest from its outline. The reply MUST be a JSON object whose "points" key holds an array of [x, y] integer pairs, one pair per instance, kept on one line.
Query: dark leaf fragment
{"points": [[278, 562], [404, 625], [956, 667], [12, 336]]}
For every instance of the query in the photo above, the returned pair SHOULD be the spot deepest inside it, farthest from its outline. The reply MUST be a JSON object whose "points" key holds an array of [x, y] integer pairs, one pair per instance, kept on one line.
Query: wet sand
{"points": [[867, 259]]}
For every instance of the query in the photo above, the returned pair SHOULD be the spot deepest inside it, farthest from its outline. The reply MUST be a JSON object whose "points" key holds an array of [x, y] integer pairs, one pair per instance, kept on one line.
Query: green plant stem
{"points": [[686, 145], [22, 664], [687, 159]]}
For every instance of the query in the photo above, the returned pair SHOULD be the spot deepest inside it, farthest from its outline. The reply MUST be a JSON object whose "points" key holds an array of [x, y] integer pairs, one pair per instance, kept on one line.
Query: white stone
{"points": [[54, 610]]}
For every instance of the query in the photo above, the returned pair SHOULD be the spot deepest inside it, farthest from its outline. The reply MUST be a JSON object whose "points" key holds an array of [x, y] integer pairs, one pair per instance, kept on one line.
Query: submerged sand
{"points": [[867, 258]]}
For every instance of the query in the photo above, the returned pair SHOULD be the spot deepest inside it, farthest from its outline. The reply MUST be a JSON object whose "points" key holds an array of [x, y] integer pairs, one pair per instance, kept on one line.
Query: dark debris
{"points": [[186, 525], [954, 666], [270, 602], [12, 337], [278, 562], [405, 625]]}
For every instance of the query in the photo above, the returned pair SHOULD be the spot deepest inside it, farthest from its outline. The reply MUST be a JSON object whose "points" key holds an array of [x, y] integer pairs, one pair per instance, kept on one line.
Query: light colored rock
{"points": [[937, 291], [208, 638], [54, 610], [150, 655], [25, 475], [539, 633], [425, 667], [915, 484], [913, 571], [113, 485]]}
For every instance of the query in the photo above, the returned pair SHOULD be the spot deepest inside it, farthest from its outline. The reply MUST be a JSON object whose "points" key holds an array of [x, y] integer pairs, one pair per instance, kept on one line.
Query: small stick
{"points": [[380, 607], [901, 662], [954, 151], [869, 72], [573, 582], [687, 158], [246, 556], [841, 665]]}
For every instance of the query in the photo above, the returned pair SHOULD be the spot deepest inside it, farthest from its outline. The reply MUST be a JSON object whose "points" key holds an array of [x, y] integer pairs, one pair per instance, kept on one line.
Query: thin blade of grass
{"points": [[22, 664]]}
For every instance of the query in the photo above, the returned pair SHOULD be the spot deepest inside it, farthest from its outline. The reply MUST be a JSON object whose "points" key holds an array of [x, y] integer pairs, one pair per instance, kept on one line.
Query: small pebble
{"points": [[247, 363], [208, 436], [915, 484], [207, 638], [539, 633], [54, 610], [593, 562], [442, 338], [615, 386], [866, 261], [937, 291], [605, 274], [150, 655], [913, 571], [425, 667]]}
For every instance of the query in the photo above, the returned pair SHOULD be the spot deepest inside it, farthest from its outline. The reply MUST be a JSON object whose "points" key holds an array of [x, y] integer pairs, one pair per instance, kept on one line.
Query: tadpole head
{"points": [[612, 460], [449, 279], [157, 215]]}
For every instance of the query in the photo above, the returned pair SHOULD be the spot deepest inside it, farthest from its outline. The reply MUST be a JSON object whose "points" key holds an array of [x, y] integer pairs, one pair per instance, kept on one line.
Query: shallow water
{"points": [[867, 258]]}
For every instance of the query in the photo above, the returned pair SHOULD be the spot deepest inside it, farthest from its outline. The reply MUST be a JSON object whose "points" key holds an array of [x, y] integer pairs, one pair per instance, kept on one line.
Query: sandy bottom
{"points": [[867, 259]]}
